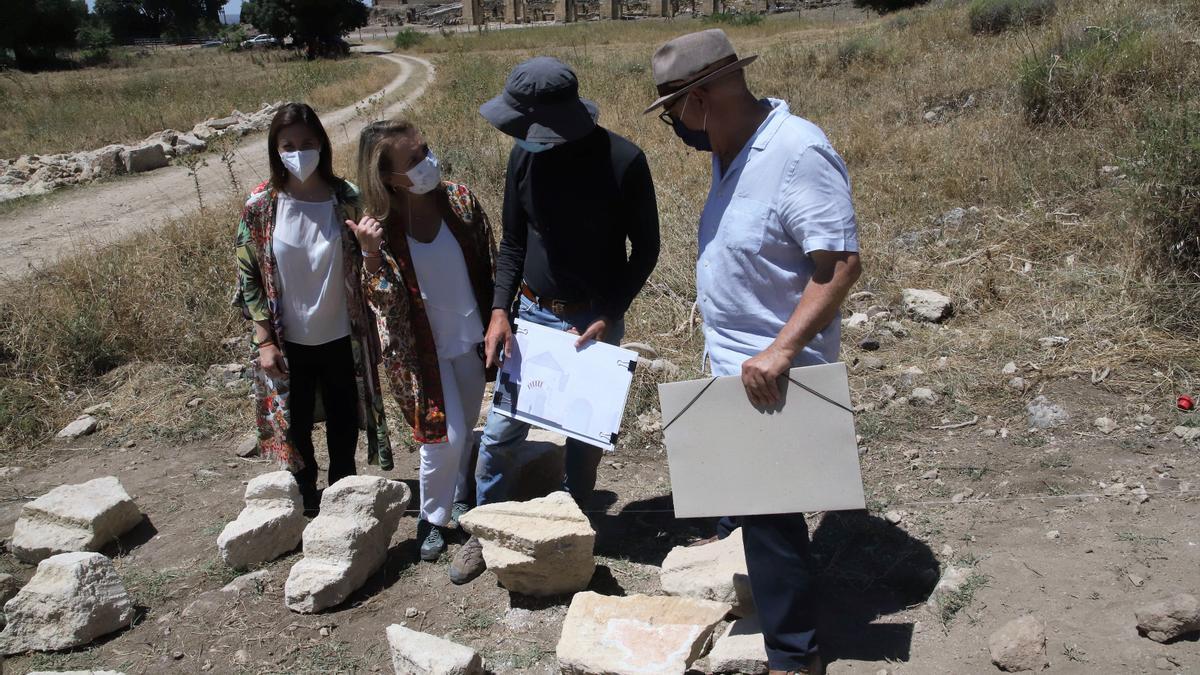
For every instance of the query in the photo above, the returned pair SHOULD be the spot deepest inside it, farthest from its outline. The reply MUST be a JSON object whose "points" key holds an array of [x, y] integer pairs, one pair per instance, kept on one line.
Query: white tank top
{"points": [[446, 290], [312, 284]]}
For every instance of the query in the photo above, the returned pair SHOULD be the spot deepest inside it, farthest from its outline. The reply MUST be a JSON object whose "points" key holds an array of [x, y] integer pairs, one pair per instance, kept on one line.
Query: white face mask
{"points": [[301, 163], [425, 176]]}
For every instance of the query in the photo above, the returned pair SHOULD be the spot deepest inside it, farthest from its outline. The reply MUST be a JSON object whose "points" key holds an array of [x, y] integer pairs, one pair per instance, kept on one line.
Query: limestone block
{"points": [[641, 634], [72, 599], [145, 158], [415, 653], [926, 305], [540, 547], [715, 571], [109, 160], [739, 650], [82, 517], [81, 426], [270, 525], [1174, 617], [1019, 645], [347, 543]]}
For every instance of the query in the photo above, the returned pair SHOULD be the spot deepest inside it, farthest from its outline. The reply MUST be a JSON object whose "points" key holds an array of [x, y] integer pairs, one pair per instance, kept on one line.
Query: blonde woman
{"points": [[428, 268]]}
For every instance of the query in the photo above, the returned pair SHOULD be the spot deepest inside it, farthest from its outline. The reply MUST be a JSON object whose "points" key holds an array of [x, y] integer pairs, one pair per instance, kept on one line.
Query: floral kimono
{"points": [[409, 355], [258, 297]]}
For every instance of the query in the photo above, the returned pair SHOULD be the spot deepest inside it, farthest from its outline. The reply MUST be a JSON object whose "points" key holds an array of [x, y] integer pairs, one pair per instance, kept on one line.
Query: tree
{"points": [[34, 31], [128, 19], [317, 25]]}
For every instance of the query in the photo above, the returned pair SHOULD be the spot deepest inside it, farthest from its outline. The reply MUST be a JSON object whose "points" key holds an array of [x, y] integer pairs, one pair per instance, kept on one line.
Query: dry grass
{"points": [[82, 109], [1067, 241]]}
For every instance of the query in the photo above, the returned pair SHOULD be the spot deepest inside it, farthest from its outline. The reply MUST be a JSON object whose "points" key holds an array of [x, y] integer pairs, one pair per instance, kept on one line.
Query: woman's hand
{"points": [[272, 361], [369, 233]]}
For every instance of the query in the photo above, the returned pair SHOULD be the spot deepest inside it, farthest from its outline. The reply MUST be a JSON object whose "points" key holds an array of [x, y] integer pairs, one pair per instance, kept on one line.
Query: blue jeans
{"points": [[500, 448]]}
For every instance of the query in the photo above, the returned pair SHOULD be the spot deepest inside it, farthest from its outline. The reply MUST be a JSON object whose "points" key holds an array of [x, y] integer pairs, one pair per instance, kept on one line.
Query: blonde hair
{"points": [[373, 143]]}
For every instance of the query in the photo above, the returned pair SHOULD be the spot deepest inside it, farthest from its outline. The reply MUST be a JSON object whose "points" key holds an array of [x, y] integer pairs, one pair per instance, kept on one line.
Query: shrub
{"points": [[409, 38], [997, 16], [95, 40], [863, 48], [1080, 70], [885, 6], [734, 19], [1169, 170]]}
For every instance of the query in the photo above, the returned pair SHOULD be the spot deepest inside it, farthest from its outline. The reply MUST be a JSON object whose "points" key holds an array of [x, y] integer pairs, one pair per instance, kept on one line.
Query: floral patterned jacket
{"points": [[409, 355], [257, 295]]}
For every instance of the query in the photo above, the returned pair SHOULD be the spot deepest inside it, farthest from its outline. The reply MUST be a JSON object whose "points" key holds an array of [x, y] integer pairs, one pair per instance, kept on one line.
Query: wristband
{"points": [[375, 254]]}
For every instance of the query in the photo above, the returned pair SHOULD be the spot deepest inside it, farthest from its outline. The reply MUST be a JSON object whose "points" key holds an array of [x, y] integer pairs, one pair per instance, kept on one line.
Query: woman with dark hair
{"points": [[428, 258], [299, 281]]}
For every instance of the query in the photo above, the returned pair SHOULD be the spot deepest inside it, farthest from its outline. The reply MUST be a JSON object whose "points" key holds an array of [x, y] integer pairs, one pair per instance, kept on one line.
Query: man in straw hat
{"points": [[574, 194], [778, 252]]}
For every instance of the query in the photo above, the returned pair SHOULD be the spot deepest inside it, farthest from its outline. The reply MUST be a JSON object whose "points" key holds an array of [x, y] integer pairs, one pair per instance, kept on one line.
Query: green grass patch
{"points": [[409, 38], [733, 19], [996, 16]]}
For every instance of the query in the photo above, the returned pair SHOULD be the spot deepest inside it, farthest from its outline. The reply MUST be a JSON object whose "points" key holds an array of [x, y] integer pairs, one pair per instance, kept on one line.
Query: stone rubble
{"points": [[347, 542], [740, 649], [82, 426], [416, 653], [1044, 415], [9, 586], [82, 517], [927, 305], [541, 547], [715, 571], [1019, 645], [951, 582], [1174, 617], [30, 175], [643, 635], [223, 599], [72, 599], [270, 525]]}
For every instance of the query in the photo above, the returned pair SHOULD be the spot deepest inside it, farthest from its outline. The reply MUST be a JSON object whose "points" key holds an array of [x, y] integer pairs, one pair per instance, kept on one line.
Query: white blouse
{"points": [[446, 289], [307, 244]]}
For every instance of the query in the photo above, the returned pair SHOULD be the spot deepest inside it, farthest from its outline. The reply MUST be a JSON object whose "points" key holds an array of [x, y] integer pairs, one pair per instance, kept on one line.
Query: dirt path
{"points": [[40, 233]]}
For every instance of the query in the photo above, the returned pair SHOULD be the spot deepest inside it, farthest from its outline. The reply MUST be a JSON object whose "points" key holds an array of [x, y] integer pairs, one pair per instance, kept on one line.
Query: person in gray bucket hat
{"points": [[575, 196], [778, 253]]}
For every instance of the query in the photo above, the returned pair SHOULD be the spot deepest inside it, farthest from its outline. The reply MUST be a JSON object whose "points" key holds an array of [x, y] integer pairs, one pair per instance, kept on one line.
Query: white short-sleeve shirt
{"points": [[784, 196], [307, 243]]}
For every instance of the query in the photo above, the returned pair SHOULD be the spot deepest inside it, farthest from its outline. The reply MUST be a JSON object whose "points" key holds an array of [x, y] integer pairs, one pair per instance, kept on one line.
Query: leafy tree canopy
{"points": [[316, 25]]}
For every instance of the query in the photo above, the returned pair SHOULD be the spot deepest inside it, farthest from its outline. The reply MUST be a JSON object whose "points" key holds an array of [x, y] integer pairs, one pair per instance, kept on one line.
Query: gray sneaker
{"points": [[468, 562], [432, 544], [457, 512]]}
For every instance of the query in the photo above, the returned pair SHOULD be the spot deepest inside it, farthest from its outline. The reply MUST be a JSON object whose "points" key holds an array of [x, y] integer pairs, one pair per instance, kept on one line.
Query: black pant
{"points": [[781, 581], [328, 368]]}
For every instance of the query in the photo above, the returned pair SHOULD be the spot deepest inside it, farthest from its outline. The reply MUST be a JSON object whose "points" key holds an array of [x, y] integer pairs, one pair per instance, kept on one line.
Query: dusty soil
{"points": [[73, 220], [1111, 554]]}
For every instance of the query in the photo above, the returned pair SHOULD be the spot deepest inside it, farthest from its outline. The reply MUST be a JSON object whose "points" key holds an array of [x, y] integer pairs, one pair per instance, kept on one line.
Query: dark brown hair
{"points": [[298, 113]]}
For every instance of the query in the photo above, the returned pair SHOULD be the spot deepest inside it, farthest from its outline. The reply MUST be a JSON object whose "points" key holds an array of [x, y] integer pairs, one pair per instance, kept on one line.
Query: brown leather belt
{"points": [[559, 308]]}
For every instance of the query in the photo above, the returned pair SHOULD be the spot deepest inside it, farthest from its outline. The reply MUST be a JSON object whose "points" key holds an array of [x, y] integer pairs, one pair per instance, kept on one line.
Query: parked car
{"points": [[263, 40]]}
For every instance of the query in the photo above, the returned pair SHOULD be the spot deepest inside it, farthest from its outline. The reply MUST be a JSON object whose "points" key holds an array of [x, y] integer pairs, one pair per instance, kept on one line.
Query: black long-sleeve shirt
{"points": [[567, 214]]}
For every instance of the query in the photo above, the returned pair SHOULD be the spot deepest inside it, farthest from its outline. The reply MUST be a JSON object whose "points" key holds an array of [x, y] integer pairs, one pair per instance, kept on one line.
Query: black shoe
{"points": [[432, 542], [458, 511]]}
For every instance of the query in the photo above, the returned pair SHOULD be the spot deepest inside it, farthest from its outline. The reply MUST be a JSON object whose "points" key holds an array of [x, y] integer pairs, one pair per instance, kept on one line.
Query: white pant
{"points": [[445, 467]]}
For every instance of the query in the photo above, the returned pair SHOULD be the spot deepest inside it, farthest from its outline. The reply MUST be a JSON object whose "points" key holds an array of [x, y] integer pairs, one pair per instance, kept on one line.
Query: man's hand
{"points": [[595, 331], [272, 361], [760, 376], [499, 334]]}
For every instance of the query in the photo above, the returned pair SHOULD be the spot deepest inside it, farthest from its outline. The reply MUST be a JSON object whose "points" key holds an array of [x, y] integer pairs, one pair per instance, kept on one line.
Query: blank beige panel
{"points": [[728, 458]]}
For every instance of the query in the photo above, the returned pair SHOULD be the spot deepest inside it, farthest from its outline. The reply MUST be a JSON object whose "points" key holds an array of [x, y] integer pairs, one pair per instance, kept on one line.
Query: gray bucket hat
{"points": [[541, 104], [691, 60]]}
